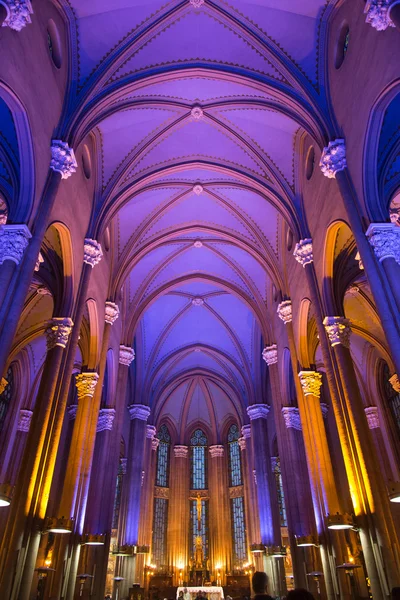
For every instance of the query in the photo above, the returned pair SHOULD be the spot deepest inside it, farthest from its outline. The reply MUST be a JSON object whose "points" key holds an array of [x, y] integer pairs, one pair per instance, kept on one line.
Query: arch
{"points": [[94, 338]]}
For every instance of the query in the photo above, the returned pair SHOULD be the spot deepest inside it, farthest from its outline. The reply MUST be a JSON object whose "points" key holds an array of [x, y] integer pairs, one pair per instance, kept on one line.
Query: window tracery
{"points": [[198, 457], [163, 450]]}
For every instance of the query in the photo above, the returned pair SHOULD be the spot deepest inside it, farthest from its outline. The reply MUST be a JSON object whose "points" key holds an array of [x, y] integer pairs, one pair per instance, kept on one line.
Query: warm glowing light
{"points": [[306, 541], [394, 491], [5, 494], [338, 521], [47, 562], [94, 540], [58, 525]]}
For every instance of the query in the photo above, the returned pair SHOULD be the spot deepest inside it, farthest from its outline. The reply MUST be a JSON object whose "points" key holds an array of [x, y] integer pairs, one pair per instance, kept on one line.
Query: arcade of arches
{"points": [[199, 297]]}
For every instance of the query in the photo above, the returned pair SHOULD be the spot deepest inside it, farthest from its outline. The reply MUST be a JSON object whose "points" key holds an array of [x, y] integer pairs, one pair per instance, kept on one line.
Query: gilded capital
{"points": [[126, 355], [92, 252], [333, 158], [63, 159], [270, 354], [24, 420], [338, 330], [111, 313], [106, 419], [378, 16], [86, 384], [291, 417], [181, 451], [311, 382], [139, 411], [58, 331], [216, 451], [18, 14], [371, 412], [14, 240], [385, 240], [395, 383], [284, 311], [257, 411], [303, 252]]}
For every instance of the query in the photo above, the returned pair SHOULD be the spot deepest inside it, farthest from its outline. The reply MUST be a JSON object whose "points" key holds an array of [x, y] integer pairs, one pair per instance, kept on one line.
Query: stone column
{"points": [[14, 240], [178, 517], [63, 163], [220, 518], [15, 15], [266, 489], [28, 505], [374, 424], [250, 506], [139, 414], [333, 165], [372, 505], [294, 473], [385, 240]]}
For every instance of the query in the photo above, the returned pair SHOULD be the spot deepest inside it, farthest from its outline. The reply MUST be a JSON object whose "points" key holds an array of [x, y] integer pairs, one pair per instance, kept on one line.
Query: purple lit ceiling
{"points": [[197, 112]]}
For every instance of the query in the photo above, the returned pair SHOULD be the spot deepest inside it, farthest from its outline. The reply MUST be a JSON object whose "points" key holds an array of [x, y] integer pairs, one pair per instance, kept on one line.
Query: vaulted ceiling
{"points": [[197, 108]]}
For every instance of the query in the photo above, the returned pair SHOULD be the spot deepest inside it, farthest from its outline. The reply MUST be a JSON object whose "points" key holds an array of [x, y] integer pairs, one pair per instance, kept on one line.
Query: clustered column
{"points": [[178, 517], [220, 522]]}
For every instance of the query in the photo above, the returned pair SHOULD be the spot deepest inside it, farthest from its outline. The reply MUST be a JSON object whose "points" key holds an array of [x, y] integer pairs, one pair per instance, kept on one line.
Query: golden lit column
{"points": [[252, 518], [374, 424], [219, 519], [178, 513], [249, 509], [28, 505], [371, 503]]}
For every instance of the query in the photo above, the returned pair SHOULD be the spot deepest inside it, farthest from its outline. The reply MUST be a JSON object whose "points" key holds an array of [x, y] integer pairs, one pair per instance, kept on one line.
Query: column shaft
{"points": [[178, 518], [220, 517]]}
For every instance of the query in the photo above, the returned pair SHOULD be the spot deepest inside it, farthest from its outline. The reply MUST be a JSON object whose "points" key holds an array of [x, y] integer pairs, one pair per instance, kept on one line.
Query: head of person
{"points": [[181, 594], [299, 594], [185, 590], [259, 582], [396, 593]]}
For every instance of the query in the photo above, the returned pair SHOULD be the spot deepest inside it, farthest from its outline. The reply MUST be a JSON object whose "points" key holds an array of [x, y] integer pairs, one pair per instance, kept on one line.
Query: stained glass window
{"points": [[198, 456], [160, 521], [199, 527], [162, 475], [276, 465], [235, 468], [117, 497], [6, 396], [238, 530]]}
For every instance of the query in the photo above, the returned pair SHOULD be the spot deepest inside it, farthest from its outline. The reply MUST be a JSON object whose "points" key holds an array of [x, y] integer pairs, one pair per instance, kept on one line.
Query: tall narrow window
{"points": [[199, 528], [6, 396], [117, 497], [198, 457], [160, 521], [235, 467], [238, 530], [162, 475], [276, 466]]}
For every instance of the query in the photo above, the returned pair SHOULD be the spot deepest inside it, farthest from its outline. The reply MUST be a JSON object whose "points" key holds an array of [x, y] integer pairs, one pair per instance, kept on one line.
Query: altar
{"points": [[213, 592]]}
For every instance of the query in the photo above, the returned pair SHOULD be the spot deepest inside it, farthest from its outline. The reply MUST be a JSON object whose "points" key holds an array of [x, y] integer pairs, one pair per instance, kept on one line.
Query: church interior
{"points": [[199, 298]]}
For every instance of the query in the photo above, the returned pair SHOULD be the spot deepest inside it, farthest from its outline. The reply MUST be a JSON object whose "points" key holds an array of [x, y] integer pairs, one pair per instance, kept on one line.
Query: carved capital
{"points": [[72, 410], [333, 158], [303, 252], [63, 159], [123, 463], [24, 420], [242, 443], [197, 113], [257, 411], [395, 383], [111, 313], [338, 330], [39, 261], [284, 311], [385, 240], [3, 384], [198, 189], [150, 432], [106, 419], [58, 331], [181, 451], [291, 417], [92, 252], [371, 412], [216, 451], [86, 384], [155, 443], [311, 382], [18, 13], [377, 12], [246, 431], [14, 240], [126, 355], [270, 354], [139, 411]]}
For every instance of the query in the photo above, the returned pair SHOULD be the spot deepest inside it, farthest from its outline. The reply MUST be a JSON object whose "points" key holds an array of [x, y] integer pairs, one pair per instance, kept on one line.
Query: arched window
{"points": [[162, 475], [235, 467], [276, 467], [198, 457], [6, 396]]}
